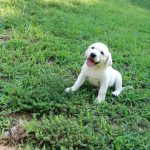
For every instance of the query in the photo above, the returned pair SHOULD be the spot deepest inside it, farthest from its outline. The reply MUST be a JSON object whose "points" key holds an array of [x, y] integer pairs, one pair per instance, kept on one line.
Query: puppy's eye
{"points": [[92, 47], [102, 53]]}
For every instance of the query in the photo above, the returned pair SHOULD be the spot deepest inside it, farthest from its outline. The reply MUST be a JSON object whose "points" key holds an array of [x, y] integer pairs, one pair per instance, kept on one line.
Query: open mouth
{"points": [[90, 62]]}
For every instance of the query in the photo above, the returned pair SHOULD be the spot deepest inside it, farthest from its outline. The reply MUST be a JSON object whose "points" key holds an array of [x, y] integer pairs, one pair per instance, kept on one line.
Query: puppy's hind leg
{"points": [[118, 85]]}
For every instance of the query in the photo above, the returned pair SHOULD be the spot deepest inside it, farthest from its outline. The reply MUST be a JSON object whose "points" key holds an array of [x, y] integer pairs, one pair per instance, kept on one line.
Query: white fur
{"points": [[101, 75]]}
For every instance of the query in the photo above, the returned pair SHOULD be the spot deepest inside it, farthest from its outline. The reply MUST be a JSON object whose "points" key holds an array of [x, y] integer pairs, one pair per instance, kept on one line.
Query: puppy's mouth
{"points": [[90, 62]]}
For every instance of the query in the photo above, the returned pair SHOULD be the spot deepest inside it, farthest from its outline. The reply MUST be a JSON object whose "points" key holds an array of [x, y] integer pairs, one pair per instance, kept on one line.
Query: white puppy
{"points": [[98, 71]]}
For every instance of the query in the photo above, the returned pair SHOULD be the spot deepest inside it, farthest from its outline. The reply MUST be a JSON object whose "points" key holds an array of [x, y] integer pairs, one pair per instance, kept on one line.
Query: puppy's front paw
{"points": [[100, 98], [69, 89], [116, 93]]}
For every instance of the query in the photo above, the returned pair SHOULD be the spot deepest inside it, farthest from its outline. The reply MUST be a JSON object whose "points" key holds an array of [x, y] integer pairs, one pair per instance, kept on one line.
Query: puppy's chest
{"points": [[97, 75], [94, 82]]}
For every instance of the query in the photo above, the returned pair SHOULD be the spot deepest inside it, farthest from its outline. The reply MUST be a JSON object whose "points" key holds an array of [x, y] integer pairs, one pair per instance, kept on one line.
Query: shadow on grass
{"points": [[142, 4]]}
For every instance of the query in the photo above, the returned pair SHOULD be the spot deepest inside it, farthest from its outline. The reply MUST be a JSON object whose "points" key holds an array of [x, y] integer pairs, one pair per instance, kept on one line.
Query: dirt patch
{"points": [[51, 59], [7, 148], [15, 133], [20, 116], [4, 38]]}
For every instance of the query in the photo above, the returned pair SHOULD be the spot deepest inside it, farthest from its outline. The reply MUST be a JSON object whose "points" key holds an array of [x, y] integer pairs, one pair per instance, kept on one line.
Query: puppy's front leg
{"points": [[80, 80], [102, 91]]}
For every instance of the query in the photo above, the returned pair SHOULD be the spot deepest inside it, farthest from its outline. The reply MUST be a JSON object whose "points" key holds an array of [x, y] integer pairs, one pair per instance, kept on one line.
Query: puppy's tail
{"points": [[127, 88]]}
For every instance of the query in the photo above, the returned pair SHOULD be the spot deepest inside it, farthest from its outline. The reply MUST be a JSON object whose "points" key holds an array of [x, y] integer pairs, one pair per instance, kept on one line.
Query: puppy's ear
{"points": [[109, 60]]}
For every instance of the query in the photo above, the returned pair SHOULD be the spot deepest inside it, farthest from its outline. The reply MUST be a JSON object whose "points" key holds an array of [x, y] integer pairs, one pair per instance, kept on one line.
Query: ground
{"points": [[42, 44]]}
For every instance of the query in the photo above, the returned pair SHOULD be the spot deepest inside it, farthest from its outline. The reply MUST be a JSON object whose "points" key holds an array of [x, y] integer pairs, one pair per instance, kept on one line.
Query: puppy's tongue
{"points": [[90, 63]]}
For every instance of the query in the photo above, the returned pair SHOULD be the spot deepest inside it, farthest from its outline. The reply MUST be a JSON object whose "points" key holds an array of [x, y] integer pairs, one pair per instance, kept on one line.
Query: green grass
{"points": [[42, 44]]}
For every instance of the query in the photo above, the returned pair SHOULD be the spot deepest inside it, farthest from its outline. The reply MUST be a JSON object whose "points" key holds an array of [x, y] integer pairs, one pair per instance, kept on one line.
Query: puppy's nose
{"points": [[92, 55]]}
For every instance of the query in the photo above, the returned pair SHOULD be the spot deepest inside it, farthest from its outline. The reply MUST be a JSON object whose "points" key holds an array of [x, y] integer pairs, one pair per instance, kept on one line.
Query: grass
{"points": [[42, 45]]}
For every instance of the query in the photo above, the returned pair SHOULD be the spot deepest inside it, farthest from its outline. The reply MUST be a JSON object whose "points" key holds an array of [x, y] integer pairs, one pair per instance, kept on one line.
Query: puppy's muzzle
{"points": [[92, 55], [91, 60]]}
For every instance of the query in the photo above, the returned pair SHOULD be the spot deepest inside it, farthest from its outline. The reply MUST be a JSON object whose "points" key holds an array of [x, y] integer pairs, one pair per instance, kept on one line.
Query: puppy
{"points": [[98, 70]]}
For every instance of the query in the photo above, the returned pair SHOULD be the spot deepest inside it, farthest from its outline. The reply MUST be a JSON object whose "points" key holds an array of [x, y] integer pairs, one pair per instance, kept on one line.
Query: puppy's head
{"points": [[98, 53]]}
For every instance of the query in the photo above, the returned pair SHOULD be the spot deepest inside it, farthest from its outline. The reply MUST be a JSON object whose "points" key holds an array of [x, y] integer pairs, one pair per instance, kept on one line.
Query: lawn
{"points": [[42, 44]]}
